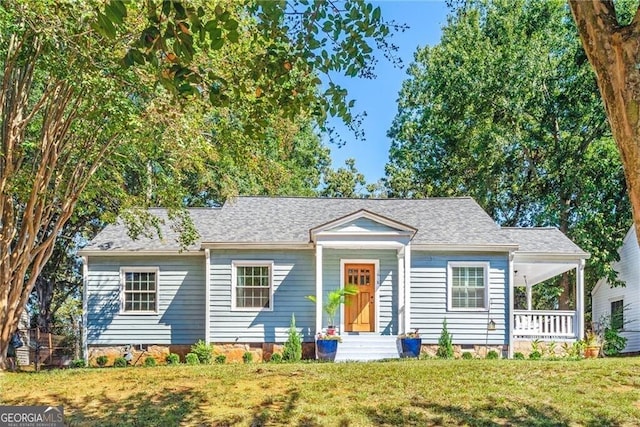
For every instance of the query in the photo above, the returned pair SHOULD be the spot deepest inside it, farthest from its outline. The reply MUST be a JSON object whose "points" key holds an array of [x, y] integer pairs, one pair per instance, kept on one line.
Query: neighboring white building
{"points": [[606, 299]]}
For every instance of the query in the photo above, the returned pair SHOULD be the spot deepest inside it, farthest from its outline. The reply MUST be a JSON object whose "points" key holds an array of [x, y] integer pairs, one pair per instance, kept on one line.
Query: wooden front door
{"points": [[360, 308]]}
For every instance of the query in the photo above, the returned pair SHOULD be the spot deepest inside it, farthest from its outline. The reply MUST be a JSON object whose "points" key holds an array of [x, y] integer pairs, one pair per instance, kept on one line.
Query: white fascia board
{"points": [[461, 248], [361, 244], [258, 245], [139, 252]]}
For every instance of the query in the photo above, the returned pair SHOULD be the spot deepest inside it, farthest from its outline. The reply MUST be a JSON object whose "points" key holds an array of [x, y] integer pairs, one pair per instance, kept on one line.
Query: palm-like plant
{"points": [[334, 299]]}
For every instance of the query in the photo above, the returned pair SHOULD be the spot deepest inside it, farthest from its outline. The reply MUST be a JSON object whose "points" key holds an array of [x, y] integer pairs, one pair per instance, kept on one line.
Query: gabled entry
{"points": [[360, 308]]}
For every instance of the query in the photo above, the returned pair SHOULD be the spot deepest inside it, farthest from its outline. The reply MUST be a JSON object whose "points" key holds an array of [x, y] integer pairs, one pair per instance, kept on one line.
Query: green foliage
{"points": [[192, 359], [518, 355], [333, 300], [203, 351], [482, 115], [247, 357], [344, 182], [275, 358], [292, 351], [467, 355], [150, 362], [172, 359], [120, 362], [614, 343], [445, 343], [78, 363], [535, 355], [493, 355], [221, 359], [102, 361]]}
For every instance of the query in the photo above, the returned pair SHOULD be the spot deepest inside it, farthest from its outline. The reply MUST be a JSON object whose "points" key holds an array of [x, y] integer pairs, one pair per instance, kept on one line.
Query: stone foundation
{"points": [[478, 351], [234, 352]]}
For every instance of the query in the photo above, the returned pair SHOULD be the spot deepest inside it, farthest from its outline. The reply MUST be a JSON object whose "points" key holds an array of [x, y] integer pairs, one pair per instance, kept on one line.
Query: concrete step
{"points": [[367, 347]]}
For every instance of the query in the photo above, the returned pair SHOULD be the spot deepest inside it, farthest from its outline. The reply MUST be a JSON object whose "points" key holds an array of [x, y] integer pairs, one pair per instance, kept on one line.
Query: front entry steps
{"points": [[364, 347]]}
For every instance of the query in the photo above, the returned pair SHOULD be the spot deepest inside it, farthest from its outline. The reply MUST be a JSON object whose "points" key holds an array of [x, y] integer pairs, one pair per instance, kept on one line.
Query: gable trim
{"points": [[325, 229]]}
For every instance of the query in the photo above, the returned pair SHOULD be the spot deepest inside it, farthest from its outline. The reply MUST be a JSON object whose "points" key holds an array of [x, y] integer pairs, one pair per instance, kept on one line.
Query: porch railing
{"points": [[537, 324]]}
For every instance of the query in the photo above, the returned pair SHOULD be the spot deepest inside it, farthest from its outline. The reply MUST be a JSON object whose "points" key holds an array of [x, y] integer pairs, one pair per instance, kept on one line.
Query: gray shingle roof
{"points": [[273, 220], [542, 240]]}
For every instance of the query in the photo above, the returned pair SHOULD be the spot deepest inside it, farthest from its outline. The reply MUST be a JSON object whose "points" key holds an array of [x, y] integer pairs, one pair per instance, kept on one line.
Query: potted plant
{"points": [[327, 346], [333, 301], [327, 343], [592, 345], [411, 344]]}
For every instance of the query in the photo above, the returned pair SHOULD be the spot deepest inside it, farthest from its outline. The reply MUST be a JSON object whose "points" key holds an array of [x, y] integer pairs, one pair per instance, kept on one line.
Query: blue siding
{"points": [[429, 300], [387, 289], [180, 318], [294, 278]]}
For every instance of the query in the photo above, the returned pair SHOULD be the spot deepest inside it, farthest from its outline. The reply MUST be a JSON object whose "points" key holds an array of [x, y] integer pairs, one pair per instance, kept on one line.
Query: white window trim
{"points": [[234, 273], [450, 266], [123, 271]]}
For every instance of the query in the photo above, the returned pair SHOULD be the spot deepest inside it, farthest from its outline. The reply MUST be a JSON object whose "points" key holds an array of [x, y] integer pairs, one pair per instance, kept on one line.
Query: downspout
{"points": [[207, 296], [511, 288], [85, 305]]}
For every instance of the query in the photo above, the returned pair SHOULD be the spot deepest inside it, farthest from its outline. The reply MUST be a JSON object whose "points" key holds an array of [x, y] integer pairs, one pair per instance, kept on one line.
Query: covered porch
{"points": [[543, 255]]}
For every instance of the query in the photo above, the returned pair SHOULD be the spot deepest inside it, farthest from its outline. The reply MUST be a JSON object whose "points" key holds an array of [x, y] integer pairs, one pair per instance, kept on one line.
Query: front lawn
{"points": [[422, 393]]}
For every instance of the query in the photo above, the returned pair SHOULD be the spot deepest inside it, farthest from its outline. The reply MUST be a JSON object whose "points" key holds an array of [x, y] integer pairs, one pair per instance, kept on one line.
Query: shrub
{"points": [[78, 363], [192, 359], [172, 359], [102, 361], [518, 356], [535, 355], [467, 355], [150, 361], [275, 358], [493, 355], [247, 357], [120, 362], [203, 351], [221, 359], [292, 351], [614, 343], [445, 343]]}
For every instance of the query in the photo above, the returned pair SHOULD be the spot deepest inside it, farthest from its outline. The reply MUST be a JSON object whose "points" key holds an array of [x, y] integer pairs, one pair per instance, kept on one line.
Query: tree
{"points": [[343, 182], [505, 109], [610, 34], [81, 126]]}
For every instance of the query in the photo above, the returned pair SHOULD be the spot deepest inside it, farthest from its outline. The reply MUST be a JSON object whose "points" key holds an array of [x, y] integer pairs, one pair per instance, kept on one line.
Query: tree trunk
{"points": [[614, 52]]}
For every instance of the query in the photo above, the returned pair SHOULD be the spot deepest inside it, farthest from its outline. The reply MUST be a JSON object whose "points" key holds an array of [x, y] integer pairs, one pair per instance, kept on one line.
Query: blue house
{"points": [[415, 263]]}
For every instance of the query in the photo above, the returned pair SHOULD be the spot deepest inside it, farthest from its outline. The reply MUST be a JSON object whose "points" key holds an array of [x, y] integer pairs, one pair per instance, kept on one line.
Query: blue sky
{"points": [[378, 97]]}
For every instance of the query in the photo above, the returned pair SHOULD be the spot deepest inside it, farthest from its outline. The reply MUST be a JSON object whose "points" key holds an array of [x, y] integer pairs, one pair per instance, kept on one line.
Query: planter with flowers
{"points": [[327, 343], [592, 345], [410, 343]]}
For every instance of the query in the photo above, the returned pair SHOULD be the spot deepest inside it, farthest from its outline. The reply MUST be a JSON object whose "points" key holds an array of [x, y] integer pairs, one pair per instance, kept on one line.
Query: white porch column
{"points": [[510, 319], [318, 288], [401, 291], [207, 296], [407, 287], [580, 299], [529, 298], [85, 305]]}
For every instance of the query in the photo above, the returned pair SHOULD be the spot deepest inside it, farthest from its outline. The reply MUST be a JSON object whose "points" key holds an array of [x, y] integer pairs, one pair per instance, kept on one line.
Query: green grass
{"points": [[422, 393]]}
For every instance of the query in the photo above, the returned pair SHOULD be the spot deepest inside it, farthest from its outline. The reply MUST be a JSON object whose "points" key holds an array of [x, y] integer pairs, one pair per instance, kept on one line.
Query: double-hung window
{"points": [[252, 285], [468, 285], [139, 289]]}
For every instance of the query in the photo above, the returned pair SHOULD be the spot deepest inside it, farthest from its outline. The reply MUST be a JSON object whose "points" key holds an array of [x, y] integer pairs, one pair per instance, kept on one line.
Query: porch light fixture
{"points": [[491, 326]]}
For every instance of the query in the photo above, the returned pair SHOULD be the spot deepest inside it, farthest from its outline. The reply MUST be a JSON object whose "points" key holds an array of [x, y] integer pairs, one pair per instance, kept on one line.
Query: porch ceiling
{"points": [[532, 273]]}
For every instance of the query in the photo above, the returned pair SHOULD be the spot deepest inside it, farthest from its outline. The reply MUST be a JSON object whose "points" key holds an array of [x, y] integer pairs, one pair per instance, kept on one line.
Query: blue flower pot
{"points": [[411, 347], [326, 349]]}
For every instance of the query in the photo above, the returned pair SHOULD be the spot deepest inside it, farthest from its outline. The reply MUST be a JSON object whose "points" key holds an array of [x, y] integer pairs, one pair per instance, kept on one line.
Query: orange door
{"points": [[360, 308]]}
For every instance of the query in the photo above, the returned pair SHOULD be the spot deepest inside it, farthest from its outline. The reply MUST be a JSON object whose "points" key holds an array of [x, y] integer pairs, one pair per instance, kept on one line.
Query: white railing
{"points": [[544, 324]]}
